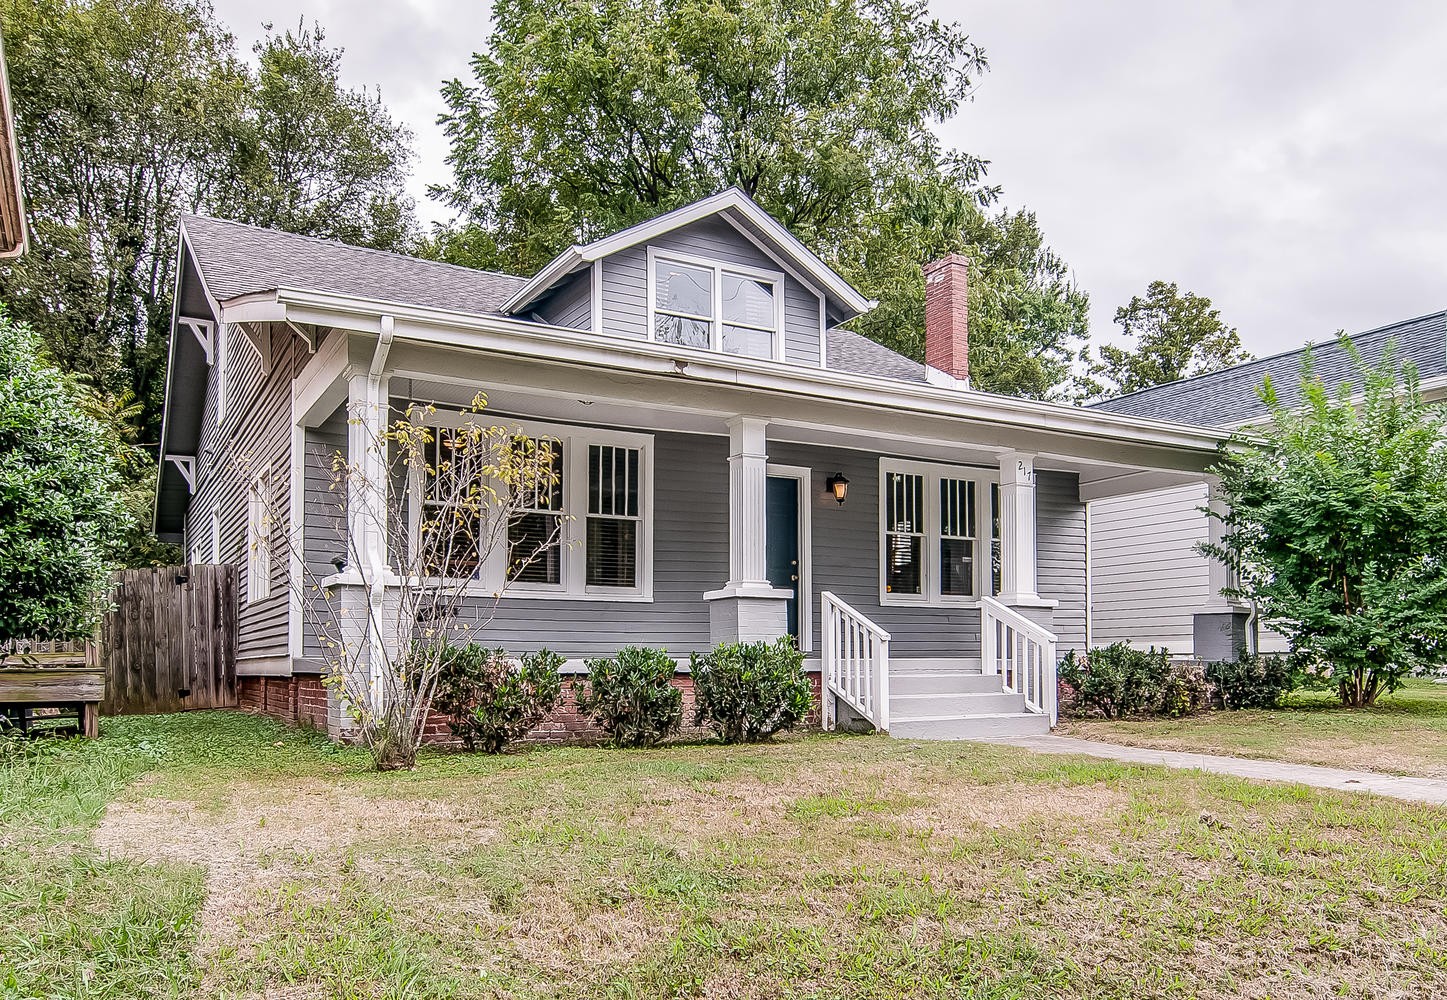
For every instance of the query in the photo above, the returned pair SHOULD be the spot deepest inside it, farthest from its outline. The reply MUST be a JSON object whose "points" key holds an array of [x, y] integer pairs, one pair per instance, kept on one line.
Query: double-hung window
{"points": [[535, 533], [258, 543], [931, 542], [451, 529], [584, 528], [712, 306]]}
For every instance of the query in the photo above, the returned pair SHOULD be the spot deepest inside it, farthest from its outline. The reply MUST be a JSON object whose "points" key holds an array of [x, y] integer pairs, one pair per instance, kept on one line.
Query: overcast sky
{"points": [[1287, 159]]}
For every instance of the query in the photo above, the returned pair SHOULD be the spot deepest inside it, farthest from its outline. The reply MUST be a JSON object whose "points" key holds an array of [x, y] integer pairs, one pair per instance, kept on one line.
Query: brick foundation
{"points": [[302, 700]]}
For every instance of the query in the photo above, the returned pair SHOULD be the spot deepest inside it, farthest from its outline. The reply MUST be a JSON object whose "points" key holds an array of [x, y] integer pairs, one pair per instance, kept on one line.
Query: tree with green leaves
{"points": [[61, 511], [1176, 335], [1337, 525], [308, 155], [130, 111], [583, 118]]}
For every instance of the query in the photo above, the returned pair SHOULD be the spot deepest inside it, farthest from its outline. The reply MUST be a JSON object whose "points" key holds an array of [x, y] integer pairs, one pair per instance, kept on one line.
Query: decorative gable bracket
{"points": [[186, 465], [205, 332]]}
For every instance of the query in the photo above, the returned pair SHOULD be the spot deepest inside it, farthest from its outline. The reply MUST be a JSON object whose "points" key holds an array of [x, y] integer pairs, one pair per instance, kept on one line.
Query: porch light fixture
{"points": [[839, 486]]}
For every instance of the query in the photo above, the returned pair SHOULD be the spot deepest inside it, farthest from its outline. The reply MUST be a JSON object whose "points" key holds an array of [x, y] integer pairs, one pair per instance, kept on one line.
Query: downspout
{"points": [[376, 548]]}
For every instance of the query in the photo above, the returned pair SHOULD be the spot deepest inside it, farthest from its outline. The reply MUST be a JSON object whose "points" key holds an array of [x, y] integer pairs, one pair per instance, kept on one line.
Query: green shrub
{"points": [[631, 696], [1185, 690], [747, 692], [1116, 681], [1252, 680], [492, 699]]}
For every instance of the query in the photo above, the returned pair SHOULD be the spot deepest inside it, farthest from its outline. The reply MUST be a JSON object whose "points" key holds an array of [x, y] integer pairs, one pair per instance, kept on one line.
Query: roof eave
{"points": [[564, 344]]}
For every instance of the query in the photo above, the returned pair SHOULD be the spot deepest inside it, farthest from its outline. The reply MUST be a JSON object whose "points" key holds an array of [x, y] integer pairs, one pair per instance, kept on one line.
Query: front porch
{"points": [[961, 540]]}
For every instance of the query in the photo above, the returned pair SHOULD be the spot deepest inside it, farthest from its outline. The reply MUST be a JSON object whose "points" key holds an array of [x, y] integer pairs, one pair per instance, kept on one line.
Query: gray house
{"points": [[1148, 584], [925, 542]]}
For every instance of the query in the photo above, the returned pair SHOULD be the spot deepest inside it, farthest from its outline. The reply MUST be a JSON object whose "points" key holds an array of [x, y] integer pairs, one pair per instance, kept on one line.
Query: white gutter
{"points": [[561, 344]]}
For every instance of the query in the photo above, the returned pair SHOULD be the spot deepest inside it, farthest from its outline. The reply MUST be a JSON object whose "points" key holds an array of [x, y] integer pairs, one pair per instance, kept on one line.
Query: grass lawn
{"points": [[220, 855], [1404, 733]]}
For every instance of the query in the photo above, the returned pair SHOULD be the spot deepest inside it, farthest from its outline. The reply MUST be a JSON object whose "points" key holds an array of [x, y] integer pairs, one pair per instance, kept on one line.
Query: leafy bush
{"points": [[492, 699], [1252, 680], [747, 692], [632, 697], [1116, 681], [61, 514], [1185, 690], [1336, 518]]}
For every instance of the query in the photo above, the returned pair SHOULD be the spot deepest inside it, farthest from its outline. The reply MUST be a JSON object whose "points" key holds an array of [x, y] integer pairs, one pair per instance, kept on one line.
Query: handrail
{"points": [[855, 664], [1022, 653]]}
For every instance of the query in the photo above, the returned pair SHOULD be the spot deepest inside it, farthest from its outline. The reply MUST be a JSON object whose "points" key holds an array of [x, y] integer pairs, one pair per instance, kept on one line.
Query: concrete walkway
{"points": [[1430, 790]]}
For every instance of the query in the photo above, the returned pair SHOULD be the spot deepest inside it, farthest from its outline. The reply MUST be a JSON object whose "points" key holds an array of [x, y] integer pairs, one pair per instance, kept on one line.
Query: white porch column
{"points": [[367, 488], [748, 607], [748, 482], [1017, 531]]}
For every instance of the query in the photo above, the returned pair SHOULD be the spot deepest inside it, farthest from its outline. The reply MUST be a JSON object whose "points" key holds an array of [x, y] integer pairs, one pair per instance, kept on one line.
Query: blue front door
{"points": [[782, 541]]}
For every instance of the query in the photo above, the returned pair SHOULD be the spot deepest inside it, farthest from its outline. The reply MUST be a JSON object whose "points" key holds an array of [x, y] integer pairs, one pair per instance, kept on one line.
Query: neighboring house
{"points": [[1148, 584], [703, 349]]}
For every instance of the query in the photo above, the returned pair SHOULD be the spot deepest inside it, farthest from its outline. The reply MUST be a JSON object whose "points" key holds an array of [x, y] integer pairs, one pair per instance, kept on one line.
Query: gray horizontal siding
{"points": [[571, 305], [253, 438], [1060, 554], [1147, 579], [690, 545], [323, 511]]}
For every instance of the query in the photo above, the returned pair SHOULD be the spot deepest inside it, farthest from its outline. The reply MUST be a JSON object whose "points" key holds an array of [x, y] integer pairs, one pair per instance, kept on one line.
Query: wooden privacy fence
{"points": [[169, 644]]}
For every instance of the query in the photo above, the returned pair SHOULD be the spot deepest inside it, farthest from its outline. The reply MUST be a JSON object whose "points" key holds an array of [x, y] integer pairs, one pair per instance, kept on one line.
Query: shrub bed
{"points": [[631, 696], [492, 699], [747, 692]]}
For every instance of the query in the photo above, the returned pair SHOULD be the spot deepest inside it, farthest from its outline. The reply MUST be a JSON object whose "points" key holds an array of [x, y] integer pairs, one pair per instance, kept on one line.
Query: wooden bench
{"points": [[26, 688]]}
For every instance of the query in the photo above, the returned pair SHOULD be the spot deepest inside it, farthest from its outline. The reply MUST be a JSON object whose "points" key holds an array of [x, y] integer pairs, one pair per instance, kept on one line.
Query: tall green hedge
{"points": [[61, 512]]}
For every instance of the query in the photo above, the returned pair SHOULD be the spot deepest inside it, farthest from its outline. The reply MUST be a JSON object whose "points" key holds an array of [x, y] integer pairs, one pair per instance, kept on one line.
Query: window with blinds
{"points": [[451, 531], [904, 536], [957, 537], [535, 531], [930, 533], [611, 542]]}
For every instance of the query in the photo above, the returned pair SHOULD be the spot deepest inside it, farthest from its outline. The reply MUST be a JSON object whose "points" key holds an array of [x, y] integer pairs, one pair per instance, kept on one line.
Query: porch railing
{"points": [[855, 664], [1022, 653]]}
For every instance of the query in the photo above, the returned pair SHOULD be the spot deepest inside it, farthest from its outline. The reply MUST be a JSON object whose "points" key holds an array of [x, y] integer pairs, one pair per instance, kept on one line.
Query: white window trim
{"points": [[719, 269], [258, 544], [574, 442], [933, 472], [215, 558]]}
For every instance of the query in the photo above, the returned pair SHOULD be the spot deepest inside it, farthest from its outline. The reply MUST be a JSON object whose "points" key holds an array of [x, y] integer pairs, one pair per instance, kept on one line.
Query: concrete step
{"points": [[955, 727], [934, 664], [925, 706], [941, 682]]}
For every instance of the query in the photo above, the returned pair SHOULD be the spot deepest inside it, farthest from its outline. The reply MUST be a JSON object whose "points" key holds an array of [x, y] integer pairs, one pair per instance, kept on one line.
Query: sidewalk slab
{"points": [[1429, 790]]}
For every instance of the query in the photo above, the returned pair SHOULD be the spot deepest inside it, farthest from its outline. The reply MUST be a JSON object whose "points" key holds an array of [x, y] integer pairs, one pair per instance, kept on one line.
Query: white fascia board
{"points": [[732, 199], [553, 343]]}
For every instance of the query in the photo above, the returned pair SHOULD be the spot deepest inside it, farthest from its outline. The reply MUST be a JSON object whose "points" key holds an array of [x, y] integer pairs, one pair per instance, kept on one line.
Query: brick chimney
{"points": [[947, 317]]}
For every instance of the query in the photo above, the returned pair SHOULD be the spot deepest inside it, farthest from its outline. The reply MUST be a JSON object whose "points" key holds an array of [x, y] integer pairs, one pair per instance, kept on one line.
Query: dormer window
{"points": [[712, 306]]}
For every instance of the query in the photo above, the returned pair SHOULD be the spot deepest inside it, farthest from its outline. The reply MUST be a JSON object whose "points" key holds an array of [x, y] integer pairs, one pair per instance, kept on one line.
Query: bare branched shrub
{"points": [[425, 508]]}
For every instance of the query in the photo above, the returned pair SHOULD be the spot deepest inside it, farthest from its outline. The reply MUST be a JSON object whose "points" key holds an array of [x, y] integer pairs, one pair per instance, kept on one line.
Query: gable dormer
{"points": [[718, 276]]}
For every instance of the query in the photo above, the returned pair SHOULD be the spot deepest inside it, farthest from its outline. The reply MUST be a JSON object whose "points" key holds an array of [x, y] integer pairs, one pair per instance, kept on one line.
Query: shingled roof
{"points": [[237, 259], [1229, 397]]}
